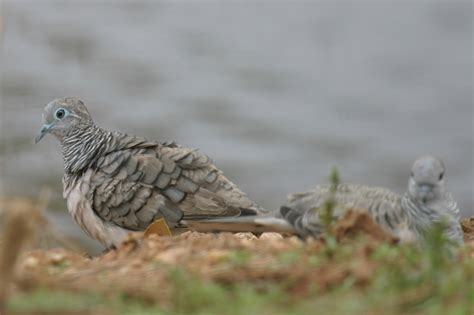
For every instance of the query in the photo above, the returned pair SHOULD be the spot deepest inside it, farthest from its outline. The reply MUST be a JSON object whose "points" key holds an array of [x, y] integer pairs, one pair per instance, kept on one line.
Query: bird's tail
{"points": [[254, 224]]}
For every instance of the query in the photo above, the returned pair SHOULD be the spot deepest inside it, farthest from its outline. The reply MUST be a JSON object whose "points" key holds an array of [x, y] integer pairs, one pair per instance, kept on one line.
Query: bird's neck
{"points": [[422, 215], [82, 147]]}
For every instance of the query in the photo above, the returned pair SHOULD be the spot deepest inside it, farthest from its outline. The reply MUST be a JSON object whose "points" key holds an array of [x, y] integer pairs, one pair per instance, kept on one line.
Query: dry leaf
{"points": [[468, 228], [359, 221], [159, 227]]}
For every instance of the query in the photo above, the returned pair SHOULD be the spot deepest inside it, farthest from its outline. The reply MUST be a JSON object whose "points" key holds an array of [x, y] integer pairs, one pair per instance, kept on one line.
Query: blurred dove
{"points": [[116, 183], [409, 217]]}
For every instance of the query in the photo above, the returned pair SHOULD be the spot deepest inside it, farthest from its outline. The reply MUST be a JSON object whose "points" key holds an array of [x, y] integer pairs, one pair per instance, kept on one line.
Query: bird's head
{"points": [[426, 182], [62, 116]]}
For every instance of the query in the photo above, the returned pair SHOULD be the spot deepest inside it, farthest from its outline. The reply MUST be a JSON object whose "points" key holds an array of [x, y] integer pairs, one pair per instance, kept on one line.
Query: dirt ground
{"points": [[144, 267], [222, 257]]}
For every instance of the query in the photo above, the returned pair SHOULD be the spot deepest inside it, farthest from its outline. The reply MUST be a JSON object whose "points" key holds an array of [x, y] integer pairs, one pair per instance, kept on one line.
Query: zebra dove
{"points": [[115, 183], [409, 217]]}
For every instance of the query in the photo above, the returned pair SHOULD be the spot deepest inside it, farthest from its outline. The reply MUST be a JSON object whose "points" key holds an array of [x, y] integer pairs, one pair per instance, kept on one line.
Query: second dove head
{"points": [[426, 183]]}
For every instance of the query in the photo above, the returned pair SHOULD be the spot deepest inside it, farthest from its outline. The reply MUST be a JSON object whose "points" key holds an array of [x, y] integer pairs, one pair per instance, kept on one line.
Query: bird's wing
{"points": [[199, 168], [133, 187]]}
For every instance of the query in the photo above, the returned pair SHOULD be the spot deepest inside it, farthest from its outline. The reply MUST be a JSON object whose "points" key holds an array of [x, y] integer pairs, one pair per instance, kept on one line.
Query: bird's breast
{"points": [[78, 195]]}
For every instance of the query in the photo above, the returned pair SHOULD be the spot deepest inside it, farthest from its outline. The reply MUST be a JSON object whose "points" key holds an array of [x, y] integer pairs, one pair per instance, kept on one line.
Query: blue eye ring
{"points": [[60, 113]]}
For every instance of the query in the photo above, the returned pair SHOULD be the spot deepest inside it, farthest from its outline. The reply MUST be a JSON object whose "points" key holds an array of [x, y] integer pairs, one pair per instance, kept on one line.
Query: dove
{"points": [[409, 216], [116, 183]]}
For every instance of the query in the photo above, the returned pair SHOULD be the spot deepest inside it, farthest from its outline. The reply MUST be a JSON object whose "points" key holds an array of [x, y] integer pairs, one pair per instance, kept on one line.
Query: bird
{"points": [[410, 216], [116, 183]]}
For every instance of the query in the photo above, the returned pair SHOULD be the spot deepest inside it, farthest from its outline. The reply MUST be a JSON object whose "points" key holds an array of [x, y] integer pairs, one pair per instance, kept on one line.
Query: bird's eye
{"points": [[441, 176], [60, 113], [412, 174]]}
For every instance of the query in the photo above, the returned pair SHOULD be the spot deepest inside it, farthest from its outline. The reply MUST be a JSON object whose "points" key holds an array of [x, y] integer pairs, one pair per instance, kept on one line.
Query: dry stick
{"points": [[19, 228], [60, 236], [42, 204]]}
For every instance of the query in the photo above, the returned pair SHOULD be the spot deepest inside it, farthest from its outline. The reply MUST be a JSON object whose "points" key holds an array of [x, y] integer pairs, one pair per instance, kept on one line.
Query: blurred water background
{"points": [[275, 92]]}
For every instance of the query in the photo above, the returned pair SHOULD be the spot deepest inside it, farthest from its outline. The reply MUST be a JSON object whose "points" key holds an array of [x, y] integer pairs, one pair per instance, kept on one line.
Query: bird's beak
{"points": [[44, 130], [425, 192]]}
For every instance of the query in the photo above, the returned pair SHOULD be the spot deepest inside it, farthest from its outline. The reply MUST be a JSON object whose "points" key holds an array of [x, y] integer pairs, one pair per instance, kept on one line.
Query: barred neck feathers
{"points": [[422, 215], [83, 146]]}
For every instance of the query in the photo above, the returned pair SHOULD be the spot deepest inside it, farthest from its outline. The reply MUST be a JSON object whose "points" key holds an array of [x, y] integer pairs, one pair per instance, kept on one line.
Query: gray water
{"points": [[275, 92]]}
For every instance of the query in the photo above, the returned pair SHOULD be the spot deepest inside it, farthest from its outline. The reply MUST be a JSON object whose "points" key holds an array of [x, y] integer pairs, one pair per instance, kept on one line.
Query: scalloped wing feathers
{"points": [[141, 182]]}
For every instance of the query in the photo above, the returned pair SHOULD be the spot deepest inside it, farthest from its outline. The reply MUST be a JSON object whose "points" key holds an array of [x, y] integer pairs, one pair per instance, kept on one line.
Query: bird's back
{"points": [[303, 209]]}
